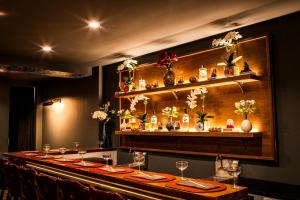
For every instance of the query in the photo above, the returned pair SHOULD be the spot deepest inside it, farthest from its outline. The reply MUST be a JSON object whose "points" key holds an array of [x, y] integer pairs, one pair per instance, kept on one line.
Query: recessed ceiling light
{"points": [[46, 48], [93, 24]]}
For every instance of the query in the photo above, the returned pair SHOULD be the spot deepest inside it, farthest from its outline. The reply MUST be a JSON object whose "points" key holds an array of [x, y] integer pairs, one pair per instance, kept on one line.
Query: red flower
{"points": [[166, 58]]}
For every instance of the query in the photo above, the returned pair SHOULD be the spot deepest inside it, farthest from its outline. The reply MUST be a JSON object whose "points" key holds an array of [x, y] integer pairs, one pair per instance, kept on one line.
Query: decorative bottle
{"points": [[153, 122], [185, 121], [202, 73]]}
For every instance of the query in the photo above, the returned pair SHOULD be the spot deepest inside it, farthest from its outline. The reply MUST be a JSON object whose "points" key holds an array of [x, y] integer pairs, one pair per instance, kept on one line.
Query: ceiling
{"points": [[129, 27]]}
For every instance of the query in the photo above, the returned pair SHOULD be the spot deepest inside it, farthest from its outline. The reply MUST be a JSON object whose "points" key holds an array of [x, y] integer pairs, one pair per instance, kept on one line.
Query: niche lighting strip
{"points": [[108, 186]]}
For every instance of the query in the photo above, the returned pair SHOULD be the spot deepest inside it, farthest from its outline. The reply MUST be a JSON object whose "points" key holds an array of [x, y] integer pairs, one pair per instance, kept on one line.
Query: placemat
{"points": [[167, 178], [98, 170], [197, 190]]}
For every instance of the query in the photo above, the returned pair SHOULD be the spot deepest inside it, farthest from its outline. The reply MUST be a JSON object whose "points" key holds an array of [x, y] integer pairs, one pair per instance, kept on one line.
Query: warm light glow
{"points": [[2, 13], [46, 48], [58, 105], [93, 24]]}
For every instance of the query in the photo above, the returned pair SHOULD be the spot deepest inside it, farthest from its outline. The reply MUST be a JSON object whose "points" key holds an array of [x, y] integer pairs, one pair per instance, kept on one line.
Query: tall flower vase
{"points": [[169, 77], [105, 139], [246, 125]]}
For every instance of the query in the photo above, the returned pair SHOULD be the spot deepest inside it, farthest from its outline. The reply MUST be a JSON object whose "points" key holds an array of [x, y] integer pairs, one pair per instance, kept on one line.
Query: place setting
{"points": [[194, 185]]}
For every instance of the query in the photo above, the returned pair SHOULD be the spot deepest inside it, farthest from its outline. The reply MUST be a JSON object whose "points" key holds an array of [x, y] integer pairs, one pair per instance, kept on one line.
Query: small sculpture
{"points": [[180, 81], [148, 86], [155, 84], [177, 125], [247, 69], [193, 79], [159, 126]]}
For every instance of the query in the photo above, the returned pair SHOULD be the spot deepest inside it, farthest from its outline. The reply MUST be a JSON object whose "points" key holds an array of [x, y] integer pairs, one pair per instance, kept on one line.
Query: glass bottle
{"points": [[202, 73], [153, 122], [185, 121]]}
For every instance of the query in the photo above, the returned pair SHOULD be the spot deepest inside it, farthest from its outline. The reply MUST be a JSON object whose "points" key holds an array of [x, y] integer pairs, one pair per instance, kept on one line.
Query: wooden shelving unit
{"points": [[192, 134], [246, 78]]}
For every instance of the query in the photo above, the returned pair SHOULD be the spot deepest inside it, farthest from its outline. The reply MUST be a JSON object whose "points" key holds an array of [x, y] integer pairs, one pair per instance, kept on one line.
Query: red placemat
{"points": [[98, 170], [144, 180], [197, 190]]}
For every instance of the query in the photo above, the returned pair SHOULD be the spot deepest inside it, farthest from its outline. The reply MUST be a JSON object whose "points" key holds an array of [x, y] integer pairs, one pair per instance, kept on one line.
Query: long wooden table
{"points": [[117, 182]]}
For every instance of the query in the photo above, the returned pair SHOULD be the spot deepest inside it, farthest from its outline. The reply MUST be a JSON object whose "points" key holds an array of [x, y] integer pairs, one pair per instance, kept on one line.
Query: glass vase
{"points": [[169, 77]]}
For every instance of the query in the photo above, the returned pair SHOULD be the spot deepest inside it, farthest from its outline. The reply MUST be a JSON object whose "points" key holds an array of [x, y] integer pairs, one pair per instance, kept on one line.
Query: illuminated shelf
{"points": [[192, 134], [245, 78]]}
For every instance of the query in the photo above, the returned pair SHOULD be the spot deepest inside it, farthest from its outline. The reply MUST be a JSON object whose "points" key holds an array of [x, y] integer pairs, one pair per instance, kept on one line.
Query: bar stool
{"points": [[12, 180], [45, 187], [96, 194], [71, 190], [27, 177], [3, 184]]}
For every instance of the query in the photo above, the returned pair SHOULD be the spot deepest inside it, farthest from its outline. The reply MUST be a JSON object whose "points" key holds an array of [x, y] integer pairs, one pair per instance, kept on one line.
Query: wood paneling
{"points": [[219, 103]]}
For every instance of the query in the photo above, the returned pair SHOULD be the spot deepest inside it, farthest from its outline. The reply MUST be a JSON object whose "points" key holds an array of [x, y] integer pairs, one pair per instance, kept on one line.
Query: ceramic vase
{"points": [[246, 125], [199, 126], [170, 125], [169, 77]]}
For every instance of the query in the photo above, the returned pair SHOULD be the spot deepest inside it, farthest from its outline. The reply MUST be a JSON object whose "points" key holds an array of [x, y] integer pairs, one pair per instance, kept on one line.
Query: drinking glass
{"points": [[46, 149], [76, 144], [106, 156], [63, 151], [81, 153], [139, 158], [182, 165], [235, 172]]}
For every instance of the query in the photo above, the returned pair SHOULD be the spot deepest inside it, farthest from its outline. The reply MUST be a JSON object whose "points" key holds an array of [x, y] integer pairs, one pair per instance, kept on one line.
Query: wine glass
{"points": [[139, 158], [182, 165], [106, 156], [235, 172], [76, 144], [46, 149], [81, 153], [63, 151]]}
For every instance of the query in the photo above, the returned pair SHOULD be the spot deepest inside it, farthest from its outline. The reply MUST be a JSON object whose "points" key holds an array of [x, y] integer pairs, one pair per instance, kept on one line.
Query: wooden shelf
{"points": [[192, 134], [245, 78]]}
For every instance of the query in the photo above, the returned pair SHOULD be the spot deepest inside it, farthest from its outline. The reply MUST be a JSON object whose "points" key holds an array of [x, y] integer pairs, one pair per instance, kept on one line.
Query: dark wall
{"points": [[70, 121], [4, 115], [284, 39]]}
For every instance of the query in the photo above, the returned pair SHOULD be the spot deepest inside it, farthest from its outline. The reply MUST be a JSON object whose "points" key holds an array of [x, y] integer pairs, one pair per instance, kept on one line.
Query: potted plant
{"points": [[129, 65], [229, 64], [170, 112], [245, 107], [143, 118], [166, 60], [124, 115]]}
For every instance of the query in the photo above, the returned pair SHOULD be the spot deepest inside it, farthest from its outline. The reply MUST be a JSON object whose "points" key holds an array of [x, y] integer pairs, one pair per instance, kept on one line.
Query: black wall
{"points": [[284, 42]]}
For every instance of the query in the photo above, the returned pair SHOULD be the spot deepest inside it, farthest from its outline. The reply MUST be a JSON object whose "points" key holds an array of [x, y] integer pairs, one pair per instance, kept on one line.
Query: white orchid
{"points": [[245, 107], [129, 64], [136, 100], [192, 98], [101, 115], [227, 40], [103, 112]]}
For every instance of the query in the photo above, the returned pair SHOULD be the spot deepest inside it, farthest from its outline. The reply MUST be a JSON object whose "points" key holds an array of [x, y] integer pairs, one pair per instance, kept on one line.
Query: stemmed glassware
{"points": [[139, 158], [81, 153], [182, 165], [76, 144], [46, 149], [235, 172], [63, 151], [106, 156]]}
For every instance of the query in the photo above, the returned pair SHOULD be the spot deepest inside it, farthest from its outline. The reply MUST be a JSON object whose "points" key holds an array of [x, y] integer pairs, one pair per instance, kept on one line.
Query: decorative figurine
{"points": [[213, 74], [155, 84], [177, 125], [230, 123], [148, 86], [159, 126], [247, 69], [180, 81], [193, 79]]}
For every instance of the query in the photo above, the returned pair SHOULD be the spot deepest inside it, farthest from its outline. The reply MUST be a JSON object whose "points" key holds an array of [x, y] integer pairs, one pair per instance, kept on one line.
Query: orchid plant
{"points": [[136, 99], [228, 41], [192, 98], [170, 112], [130, 65]]}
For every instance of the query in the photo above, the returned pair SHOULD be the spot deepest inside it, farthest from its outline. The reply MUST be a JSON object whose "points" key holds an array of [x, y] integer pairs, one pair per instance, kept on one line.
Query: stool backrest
{"points": [[45, 187], [97, 194], [71, 190], [27, 178]]}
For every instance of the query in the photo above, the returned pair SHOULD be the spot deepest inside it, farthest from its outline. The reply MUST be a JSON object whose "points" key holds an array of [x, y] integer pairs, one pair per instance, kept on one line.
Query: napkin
{"points": [[85, 164], [148, 176], [111, 169], [196, 184]]}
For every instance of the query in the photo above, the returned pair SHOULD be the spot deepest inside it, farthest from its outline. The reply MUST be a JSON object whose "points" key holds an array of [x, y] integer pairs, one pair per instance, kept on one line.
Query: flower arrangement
{"points": [[130, 65], [103, 113], [124, 114], [166, 59], [170, 112], [192, 98], [245, 107], [228, 41]]}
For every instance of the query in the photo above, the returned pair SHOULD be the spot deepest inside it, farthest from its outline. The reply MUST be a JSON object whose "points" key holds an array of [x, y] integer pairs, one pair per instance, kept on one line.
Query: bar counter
{"points": [[120, 183]]}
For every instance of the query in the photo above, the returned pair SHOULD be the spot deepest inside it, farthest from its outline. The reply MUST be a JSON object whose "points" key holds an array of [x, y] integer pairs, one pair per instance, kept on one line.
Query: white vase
{"points": [[246, 125], [199, 126]]}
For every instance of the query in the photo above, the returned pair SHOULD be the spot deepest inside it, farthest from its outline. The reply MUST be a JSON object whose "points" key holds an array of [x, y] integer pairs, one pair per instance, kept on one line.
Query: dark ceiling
{"points": [[130, 27]]}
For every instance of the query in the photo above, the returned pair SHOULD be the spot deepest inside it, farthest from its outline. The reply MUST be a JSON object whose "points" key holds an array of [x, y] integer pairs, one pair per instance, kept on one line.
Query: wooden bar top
{"points": [[121, 184]]}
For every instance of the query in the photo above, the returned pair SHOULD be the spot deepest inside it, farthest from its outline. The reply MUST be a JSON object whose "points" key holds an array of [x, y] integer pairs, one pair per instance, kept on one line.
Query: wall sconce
{"points": [[52, 101]]}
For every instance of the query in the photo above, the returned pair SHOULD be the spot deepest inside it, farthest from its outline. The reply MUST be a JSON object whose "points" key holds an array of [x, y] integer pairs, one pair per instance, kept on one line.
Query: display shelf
{"points": [[192, 134], [245, 78]]}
